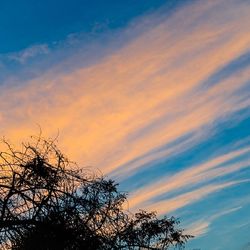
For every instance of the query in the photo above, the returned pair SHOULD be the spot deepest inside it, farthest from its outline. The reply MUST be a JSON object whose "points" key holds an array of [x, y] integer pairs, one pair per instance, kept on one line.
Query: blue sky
{"points": [[155, 94], [34, 22]]}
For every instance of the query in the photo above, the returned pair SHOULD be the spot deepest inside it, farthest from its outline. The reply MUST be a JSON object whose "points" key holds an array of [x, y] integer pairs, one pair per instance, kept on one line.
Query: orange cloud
{"points": [[191, 176], [142, 96], [169, 205]]}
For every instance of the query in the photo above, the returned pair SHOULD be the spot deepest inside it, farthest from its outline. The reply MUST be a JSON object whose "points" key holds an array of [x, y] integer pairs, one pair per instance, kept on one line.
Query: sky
{"points": [[154, 94]]}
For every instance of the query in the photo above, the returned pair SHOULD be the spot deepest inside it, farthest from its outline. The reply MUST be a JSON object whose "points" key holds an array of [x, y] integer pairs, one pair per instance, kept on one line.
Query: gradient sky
{"points": [[155, 94]]}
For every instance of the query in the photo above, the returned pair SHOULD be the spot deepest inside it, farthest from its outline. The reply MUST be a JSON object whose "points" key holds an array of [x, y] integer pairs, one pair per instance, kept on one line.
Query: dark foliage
{"points": [[47, 203]]}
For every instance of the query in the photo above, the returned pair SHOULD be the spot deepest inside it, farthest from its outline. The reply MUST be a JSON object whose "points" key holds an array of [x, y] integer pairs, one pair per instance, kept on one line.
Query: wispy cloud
{"points": [[169, 205], [218, 166], [28, 53], [133, 106], [198, 228], [201, 227]]}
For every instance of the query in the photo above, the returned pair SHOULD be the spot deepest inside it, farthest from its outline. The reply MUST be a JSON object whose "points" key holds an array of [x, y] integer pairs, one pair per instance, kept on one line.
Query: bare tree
{"points": [[46, 202]]}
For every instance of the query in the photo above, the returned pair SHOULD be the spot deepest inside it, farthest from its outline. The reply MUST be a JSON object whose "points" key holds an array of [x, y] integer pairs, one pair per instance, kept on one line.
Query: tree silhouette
{"points": [[46, 202]]}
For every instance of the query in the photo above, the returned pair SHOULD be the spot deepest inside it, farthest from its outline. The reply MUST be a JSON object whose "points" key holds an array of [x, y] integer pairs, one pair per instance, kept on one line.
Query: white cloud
{"points": [[28, 53], [200, 227]]}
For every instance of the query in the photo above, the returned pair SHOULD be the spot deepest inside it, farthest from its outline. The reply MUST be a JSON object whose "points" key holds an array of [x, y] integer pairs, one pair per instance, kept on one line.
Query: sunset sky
{"points": [[155, 94]]}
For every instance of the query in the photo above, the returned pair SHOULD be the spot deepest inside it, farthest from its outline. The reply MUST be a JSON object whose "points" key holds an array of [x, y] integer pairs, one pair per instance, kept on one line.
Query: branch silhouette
{"points": [[47, 202]]}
